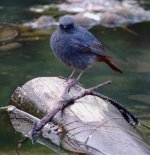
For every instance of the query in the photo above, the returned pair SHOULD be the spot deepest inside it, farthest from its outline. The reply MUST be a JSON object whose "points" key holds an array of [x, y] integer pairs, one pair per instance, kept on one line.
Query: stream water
{"points": [[35, 59]]}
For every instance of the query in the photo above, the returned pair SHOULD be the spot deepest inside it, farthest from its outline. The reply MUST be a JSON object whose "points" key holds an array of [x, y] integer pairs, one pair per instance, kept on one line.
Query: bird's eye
{"points": [[63, 26], [66, 27]]}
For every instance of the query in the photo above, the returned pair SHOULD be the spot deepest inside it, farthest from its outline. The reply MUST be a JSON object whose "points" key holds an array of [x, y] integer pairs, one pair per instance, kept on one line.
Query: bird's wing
{"points": [[85, 42], [88, 47]]}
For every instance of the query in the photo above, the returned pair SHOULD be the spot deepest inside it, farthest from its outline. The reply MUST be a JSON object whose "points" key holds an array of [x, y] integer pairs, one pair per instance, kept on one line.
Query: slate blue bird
{"points": [[77, 47]]}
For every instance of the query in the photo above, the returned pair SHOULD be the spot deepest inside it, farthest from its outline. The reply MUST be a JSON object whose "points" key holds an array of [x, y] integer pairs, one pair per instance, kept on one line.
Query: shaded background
{"points": [[34, 58]]}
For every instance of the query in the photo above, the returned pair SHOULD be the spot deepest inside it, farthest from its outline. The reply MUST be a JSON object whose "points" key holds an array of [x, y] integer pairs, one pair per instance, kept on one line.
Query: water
{"points": [[35, 59]]}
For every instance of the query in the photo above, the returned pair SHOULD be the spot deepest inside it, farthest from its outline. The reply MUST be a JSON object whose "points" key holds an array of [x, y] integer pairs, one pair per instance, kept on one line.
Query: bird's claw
{"points": [[68, 79], [76, 81]]}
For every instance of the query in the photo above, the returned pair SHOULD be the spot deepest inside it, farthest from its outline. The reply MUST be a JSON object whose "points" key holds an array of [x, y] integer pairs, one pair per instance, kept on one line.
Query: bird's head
{"points": [[66, 23]]}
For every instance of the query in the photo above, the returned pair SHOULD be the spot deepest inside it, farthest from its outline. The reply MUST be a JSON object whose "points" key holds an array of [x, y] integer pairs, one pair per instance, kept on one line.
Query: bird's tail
{"points": [[108, 61]]}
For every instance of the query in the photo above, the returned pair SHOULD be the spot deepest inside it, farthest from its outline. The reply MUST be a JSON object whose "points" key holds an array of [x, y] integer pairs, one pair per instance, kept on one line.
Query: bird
{"points": [[77, 47]]}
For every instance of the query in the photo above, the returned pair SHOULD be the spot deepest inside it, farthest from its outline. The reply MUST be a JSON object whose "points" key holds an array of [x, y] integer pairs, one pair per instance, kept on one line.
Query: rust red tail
{"points": [[108, 61]]}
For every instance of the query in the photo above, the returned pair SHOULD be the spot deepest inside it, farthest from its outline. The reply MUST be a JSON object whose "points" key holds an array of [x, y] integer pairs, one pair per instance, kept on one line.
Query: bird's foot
{"points": [[76, 81], [65, 78], [68, 78]]}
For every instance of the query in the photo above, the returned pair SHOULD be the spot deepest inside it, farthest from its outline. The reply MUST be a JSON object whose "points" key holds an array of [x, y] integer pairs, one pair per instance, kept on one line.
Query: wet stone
{"points": [[7, 33]]}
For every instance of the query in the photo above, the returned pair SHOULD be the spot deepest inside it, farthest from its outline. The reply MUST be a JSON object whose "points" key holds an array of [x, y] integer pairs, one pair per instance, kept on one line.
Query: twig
{"points": [[65, 101], [99, 127], [21, 142], [100, 85], [130, 118], [61, 103], [67, 89], [130, 31], [90, 90], [148, 127]]}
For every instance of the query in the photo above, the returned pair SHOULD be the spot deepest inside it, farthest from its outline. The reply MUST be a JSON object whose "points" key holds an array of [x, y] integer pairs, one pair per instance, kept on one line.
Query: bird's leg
{"points": [[80, 75], [72, 73], [69, 76]]}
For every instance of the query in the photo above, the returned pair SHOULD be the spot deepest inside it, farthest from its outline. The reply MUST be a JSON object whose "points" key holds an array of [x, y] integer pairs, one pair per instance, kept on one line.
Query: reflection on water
{"points": [[34, 59]]}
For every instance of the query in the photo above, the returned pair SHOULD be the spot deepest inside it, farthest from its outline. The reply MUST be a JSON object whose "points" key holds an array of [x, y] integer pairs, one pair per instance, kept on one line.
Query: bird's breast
{"points": [[69, 55]]}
